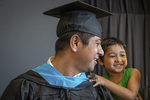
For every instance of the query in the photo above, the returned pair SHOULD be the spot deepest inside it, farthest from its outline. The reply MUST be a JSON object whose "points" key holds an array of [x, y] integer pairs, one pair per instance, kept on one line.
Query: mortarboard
{"points": [[78, 16]]}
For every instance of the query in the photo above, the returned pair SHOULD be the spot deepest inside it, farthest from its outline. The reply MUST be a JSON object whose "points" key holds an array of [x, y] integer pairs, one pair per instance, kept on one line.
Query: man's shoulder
{"points": [[30, 76]]}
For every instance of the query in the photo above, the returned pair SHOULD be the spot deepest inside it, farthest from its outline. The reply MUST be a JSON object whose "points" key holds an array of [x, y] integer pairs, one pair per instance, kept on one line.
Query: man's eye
{"points": [[98, 43]]}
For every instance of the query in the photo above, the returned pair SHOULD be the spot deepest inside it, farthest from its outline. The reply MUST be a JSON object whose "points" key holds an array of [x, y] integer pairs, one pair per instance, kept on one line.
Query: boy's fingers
{"points": [[139, 96], [92, 76], [89, 76], [96, 84]]}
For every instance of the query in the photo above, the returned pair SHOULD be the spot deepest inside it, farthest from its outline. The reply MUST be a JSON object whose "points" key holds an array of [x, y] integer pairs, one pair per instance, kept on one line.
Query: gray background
{"points": [[27, 37]]}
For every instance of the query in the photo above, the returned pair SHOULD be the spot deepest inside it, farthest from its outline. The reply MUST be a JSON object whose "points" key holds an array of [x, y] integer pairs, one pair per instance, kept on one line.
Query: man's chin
{"points": [[91, 69]]}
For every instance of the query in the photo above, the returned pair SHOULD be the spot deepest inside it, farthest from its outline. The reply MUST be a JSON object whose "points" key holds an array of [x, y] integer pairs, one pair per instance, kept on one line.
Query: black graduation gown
{"points": [[32, 86]]}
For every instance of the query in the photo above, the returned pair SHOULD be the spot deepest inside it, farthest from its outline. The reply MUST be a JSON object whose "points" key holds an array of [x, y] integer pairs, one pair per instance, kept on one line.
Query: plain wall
{"points": [[27, 37]]}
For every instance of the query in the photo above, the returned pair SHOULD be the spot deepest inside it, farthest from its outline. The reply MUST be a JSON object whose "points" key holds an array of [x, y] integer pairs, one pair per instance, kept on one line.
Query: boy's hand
{"points": [[139, 97], [98, 79]]}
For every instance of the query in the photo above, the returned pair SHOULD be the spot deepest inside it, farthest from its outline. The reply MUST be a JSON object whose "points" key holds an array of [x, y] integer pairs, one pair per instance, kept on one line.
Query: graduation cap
{"points": [[78, 16]]}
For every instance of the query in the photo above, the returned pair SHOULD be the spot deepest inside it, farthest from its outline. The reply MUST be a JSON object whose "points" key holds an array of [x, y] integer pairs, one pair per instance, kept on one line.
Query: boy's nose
{"points": [[118, 59]]}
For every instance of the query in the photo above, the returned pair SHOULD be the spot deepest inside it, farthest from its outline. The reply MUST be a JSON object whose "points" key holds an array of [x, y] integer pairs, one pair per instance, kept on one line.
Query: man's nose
{"points": [[100, 51]]}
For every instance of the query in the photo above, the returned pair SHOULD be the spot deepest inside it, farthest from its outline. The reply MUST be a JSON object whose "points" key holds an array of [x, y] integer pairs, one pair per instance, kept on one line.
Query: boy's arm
{"points": [[128, 93]]}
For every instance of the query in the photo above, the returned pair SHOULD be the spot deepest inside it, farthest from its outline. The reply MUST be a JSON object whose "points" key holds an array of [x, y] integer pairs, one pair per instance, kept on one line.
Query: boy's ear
{"points": [[74, 42], [100, 61]]}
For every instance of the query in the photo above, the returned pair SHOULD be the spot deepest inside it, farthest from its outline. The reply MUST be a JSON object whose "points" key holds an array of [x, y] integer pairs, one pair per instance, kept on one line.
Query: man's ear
{"points": [[74, 42], [100, 61]]}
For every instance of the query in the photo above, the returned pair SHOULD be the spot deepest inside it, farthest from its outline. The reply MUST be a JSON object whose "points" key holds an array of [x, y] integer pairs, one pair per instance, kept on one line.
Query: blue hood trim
{"points": [[54, 77]]}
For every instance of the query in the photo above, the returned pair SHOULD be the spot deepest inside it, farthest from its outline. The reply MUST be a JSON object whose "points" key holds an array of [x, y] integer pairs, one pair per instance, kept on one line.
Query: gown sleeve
{"points": [[17, 90]]}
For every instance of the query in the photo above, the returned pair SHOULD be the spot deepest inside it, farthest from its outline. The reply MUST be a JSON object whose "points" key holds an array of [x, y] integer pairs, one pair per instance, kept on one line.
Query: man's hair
{"points": [[111, 41], [64, 41]]}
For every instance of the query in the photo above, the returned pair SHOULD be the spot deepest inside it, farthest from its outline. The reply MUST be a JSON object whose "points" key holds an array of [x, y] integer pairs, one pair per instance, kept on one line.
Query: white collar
{"points": [[49, 61]]}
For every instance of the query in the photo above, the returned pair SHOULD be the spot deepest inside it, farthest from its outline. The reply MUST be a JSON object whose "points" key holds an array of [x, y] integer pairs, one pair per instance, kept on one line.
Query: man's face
{"points": [[90, 53]]}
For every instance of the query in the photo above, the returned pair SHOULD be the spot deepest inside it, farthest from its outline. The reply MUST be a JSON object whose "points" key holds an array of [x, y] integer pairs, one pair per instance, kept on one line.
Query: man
{"points": [[77, 49]]}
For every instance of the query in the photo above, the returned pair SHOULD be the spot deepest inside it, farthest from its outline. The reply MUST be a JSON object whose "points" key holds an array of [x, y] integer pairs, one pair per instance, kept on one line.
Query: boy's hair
{"points": [[64, 41], [111, 41]]}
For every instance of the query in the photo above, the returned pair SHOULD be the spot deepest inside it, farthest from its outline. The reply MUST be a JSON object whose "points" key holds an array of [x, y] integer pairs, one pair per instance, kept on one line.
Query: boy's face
{"points": [[90, 53], [115, 59]]}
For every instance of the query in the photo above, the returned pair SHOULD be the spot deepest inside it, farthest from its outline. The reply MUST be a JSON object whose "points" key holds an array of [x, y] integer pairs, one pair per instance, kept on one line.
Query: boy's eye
{"points": [[122, 55], [112, 56]]}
